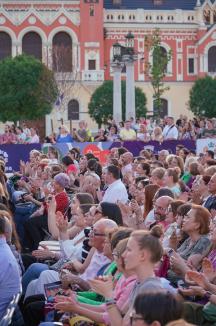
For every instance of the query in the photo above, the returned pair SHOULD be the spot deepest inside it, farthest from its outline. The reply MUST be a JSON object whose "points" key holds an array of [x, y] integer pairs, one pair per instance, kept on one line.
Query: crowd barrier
{"points": [[14, 153]]}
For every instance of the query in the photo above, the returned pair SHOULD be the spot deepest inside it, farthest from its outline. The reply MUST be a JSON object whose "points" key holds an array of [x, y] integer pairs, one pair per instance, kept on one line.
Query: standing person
{"points": [[34, 138], [143, 133], [21, 136], [170, 131], [10, 283], [127, 133], [26, 130], [8, 137], [116, 190], [64, 135], [81, 135]]}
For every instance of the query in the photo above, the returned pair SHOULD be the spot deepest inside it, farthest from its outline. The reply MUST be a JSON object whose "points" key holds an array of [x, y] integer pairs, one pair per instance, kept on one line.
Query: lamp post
{"points": [[117, 96], [129, 58]]}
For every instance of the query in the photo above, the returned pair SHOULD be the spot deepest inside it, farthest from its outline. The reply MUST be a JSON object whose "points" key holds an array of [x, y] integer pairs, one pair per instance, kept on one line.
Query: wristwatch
{"points": [[208, 295]]}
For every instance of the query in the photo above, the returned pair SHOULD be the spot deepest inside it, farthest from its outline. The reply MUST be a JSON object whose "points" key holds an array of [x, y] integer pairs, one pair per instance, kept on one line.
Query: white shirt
{"points": [[150, 219], [34, 139], [116, 191], [127, 168], [98, 260], [170, 132]]}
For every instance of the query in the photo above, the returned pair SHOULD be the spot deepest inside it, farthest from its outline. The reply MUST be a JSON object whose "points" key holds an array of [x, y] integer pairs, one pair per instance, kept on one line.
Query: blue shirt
{"points": [[66, 139], [10, 282]]}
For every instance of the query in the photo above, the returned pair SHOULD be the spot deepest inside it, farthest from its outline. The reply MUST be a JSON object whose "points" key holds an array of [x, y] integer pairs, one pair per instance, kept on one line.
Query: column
{"points": [[48, 124], [117, 96], [130, 90]]}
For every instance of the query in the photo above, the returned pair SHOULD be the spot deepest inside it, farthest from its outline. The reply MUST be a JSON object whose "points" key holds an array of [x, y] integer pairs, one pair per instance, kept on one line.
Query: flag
{"points": [[59, 99]]}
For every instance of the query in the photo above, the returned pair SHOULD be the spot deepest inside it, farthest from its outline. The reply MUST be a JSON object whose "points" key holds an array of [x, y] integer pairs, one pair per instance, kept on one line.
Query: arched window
{"points": [[158, 54], [5, 45], [62, 52], [32, 45], [163, 110], [212, 59], [73, 110]]}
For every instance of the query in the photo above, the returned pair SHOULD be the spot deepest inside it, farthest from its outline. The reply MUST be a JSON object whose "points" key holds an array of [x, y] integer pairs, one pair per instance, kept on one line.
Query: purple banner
{"points": [[136, 146], [12, 155]]}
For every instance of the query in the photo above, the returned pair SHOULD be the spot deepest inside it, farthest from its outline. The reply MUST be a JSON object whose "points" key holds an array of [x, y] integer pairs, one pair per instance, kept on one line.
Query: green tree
{"points": [[101, 104], [157, 69], [202, 97], [27, 89]]}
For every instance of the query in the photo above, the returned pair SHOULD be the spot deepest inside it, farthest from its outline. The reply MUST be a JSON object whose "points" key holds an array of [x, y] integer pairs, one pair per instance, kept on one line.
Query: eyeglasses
{"points": [[97, 234], [115, 254], [97, 211], [134, 317], [187, 217]]}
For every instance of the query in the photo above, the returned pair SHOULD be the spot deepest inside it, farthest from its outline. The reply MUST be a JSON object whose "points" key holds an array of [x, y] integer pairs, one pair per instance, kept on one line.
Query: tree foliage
{"points": [[27, 89], [101, 103], [157, 69], [202, 97]]}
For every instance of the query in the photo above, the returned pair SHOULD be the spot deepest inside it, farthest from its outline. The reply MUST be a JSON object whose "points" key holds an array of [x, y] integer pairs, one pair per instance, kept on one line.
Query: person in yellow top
{"points": [[127, 133]]}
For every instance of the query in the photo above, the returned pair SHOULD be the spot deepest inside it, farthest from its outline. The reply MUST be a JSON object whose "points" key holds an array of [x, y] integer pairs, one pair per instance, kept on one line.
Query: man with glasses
{"points": [[160, 209], [90, 270]]}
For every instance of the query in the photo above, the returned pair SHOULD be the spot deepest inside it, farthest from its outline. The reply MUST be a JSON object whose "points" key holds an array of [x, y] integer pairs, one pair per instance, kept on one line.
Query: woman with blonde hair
{"points": [[175, 161], [64, 135], [171, 180], [157, 134]]}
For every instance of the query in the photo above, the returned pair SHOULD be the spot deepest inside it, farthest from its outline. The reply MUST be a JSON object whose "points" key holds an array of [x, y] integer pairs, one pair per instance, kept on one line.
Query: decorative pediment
{"points": [[46, 15]]}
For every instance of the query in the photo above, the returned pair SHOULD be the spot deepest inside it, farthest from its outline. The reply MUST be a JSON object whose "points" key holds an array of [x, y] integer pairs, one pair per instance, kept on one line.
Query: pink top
{"points": [[212, 258], [122, 292]]}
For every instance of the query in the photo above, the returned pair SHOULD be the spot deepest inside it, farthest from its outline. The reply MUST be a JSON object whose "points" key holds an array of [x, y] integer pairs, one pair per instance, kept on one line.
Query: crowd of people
{"points": [[19, 135], [142, 130], [129, 242]]}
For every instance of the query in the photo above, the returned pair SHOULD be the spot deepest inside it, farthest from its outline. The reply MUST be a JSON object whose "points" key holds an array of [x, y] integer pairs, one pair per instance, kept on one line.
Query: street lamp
{"points": [[129, 42], [117, 52], [129, 58], [117, 68]]}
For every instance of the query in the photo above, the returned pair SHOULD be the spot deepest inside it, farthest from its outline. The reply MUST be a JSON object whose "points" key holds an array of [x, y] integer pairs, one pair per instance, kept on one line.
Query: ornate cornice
{"points": [[46, 13]]}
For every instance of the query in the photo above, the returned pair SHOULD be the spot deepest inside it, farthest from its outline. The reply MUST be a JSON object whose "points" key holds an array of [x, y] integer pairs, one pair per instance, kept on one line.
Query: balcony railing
{"points": [[93, 75]]}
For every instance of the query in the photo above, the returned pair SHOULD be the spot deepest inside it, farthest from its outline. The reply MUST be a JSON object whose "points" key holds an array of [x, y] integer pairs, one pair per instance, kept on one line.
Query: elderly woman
{"points": [[64, 135], [196, 225]]}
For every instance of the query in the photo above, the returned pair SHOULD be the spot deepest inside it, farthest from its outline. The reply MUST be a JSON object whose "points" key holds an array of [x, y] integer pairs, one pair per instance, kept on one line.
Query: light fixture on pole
{"points": [[129, 43], [117, 52], [117, 67], [129, 58]]}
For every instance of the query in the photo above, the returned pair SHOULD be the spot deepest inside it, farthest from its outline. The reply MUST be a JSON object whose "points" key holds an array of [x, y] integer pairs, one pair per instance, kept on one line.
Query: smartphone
{"points": [[170, 252], [182, 284]]}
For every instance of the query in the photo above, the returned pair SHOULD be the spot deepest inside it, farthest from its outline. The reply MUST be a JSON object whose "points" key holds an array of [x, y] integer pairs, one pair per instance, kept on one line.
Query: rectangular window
{"points": [[91, 10], [92, 65], [191, 65]]}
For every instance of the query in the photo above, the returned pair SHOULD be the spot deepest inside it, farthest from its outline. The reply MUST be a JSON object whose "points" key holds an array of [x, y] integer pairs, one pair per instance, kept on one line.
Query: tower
{"points": [[92, 38]]}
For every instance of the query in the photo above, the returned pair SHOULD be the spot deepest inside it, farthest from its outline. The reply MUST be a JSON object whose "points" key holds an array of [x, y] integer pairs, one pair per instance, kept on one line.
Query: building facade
{"points": [[75, 39]]}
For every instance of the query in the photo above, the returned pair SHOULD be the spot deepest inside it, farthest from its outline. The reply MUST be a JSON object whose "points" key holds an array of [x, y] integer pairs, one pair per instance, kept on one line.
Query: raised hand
{"points": [[103, 286], [61, 222], [198, 278]]}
